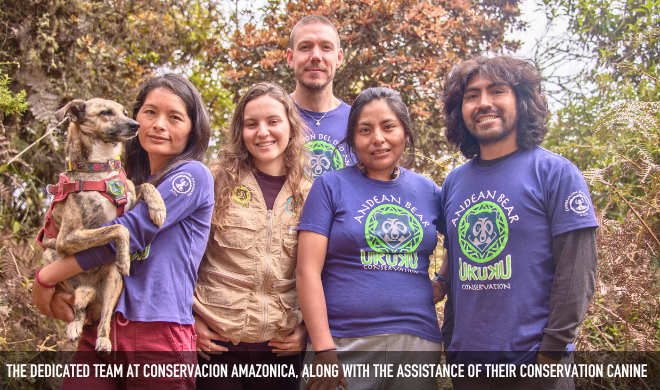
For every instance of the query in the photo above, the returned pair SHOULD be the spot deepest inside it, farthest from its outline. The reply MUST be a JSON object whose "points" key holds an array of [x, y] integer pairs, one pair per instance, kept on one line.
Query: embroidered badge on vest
{"points": [[241, 196], [291, 207]]}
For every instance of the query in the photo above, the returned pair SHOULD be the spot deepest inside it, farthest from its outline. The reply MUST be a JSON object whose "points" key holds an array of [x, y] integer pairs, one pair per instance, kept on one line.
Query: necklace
{"points": [[318, 121]]}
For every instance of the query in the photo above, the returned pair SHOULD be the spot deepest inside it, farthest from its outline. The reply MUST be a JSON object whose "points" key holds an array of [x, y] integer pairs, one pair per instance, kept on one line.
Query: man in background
{"points": [[314, 53]]}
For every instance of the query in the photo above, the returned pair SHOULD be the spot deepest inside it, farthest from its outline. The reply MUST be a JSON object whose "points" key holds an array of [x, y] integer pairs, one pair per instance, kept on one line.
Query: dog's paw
{"points": [[103, 346], [123, 265], [157, 215], [74, 330]]}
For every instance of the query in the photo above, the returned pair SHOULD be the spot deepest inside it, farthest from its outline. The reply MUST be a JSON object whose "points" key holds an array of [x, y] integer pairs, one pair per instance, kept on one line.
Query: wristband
{"points": [[325, 350], [36, 277], [442, 278]]}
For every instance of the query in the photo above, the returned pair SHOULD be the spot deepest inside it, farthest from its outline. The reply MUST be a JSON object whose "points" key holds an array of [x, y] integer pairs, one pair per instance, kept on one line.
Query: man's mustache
{"points": [[323, 68], [486, 112]]}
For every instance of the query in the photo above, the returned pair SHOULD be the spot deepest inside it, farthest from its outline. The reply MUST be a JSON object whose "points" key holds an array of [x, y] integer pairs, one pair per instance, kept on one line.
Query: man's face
{"points": [[489, 110], [315, 55]]}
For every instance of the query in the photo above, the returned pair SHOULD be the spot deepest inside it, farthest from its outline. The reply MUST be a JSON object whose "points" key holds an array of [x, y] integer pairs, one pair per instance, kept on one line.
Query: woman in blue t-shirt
{"points": [[154, 312], [366, 234]]}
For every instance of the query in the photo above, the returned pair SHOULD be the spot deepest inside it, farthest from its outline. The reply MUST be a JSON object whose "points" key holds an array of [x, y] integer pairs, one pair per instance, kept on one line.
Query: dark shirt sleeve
{"points": [[448, 322], [575, 260]]}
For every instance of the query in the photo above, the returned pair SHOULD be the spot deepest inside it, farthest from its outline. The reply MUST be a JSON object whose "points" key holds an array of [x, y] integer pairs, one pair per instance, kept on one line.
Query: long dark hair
{"points": [[525, 80], [234, 161], [137, 159], [396, 104]]}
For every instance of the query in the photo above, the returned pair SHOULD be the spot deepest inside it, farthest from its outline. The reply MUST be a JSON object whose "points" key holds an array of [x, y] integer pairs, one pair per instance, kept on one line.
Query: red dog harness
{"points": [[113, 188]]}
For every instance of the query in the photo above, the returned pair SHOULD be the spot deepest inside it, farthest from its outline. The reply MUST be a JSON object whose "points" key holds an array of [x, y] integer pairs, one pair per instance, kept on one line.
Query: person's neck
{"points": [[499, 149], [276, 167], [382, 174], [157, 164], [316, 101]]}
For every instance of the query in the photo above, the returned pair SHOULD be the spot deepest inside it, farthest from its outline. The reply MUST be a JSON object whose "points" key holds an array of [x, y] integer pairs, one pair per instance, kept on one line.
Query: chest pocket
{"points": [[234, 246]]}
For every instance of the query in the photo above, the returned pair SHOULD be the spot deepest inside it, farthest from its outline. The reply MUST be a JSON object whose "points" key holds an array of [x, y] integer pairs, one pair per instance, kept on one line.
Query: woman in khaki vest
{"points": [[246, 301]]}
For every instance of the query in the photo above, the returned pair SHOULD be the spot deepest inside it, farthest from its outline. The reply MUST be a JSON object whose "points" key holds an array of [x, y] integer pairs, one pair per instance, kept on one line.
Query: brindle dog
{"points": [[96, 131]]}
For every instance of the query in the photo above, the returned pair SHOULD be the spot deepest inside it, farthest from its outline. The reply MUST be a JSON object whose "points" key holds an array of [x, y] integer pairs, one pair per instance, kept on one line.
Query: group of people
{"points": [[308, 237]]}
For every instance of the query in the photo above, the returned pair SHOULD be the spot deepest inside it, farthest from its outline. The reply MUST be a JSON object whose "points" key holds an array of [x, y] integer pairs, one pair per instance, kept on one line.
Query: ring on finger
{"points": [[210, 344]]}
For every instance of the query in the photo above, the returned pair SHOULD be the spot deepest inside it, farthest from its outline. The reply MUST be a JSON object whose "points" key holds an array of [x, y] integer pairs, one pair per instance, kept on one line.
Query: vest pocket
{"points": [[228, 306], [290, 309], [238, 234], [232, 249], [289, 252]]}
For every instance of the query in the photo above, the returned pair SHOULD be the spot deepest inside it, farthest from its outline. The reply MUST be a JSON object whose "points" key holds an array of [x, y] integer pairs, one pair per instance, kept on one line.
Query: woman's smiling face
{"points": [[379, 139], [266, 133], [164, 127]]}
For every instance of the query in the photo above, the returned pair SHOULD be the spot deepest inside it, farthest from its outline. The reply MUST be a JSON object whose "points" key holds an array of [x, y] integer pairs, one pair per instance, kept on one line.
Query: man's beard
{"points": [[490, 139], [315, 85]]}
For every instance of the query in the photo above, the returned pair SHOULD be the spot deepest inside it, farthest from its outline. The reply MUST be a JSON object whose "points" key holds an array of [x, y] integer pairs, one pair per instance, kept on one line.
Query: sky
{"points": [[539, 33]]}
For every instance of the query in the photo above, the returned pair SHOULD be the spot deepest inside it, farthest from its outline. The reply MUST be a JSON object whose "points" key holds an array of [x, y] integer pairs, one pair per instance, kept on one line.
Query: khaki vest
{"points": [[246, 288]]}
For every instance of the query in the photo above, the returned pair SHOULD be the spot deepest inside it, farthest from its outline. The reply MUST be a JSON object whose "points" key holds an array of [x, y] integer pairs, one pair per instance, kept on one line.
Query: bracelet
{"points": [[325, 350], [36, 277], [442, 278]]}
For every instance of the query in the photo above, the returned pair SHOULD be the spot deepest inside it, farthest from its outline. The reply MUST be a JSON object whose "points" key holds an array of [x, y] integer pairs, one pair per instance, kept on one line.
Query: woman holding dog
{"points": [[154, 310], [246, 300], [371, 227]]}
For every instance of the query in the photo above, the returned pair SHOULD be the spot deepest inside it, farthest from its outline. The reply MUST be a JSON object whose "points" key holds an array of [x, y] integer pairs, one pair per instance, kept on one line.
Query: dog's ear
{"points": [[74, 110]]}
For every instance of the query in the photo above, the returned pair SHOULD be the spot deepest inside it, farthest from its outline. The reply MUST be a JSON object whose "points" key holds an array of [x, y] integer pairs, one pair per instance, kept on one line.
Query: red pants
{"points": [[146, 346]]}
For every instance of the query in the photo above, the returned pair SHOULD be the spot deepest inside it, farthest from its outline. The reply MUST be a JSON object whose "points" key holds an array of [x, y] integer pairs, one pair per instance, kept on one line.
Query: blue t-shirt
{"points": [[161, 286], [500, 221], [380, 236], [326, 154]]}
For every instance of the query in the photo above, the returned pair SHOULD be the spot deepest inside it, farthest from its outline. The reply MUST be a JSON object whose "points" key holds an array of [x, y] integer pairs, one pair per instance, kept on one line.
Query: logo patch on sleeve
{"points": [[578, 203], [183, 184]]}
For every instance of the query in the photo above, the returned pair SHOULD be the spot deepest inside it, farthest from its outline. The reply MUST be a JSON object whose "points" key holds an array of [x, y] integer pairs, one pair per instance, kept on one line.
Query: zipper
{"points": [[263, 286], [246, 282]]}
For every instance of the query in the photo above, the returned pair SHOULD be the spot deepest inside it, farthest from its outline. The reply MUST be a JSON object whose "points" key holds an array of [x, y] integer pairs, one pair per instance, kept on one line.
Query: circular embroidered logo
{"points": [[578, 202], [241, 194], [483, 232], [323, 157], [291, 207], [392, 229], [183, 184], [115, 187]]}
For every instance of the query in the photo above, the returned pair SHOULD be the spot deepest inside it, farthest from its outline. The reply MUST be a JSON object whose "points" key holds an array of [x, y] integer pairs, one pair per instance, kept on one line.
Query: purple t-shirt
{"points": [[500, 221], [161, 286], [380, 236], [326, 154]]}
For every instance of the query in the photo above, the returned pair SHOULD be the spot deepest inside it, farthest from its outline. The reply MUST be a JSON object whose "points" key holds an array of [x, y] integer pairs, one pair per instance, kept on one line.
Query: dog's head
{"points": [[99, 118]]}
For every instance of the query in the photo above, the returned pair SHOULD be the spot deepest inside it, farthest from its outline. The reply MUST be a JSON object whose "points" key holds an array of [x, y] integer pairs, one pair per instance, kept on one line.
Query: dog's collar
{"points": [[112, 165]]}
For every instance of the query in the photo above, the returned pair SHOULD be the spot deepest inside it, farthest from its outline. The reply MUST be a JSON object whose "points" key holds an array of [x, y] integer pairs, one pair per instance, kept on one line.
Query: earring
{"points": [[395, 173], [363, 169]]}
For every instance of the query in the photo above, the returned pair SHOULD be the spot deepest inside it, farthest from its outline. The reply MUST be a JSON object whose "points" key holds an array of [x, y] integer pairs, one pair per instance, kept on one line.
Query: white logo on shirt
{"points": [[183, 184], [578, 202]]}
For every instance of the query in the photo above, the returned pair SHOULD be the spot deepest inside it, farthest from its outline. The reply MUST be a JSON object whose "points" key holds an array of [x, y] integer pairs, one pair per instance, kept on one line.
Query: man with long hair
{"points": [[520, 226], [315, 54]]}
